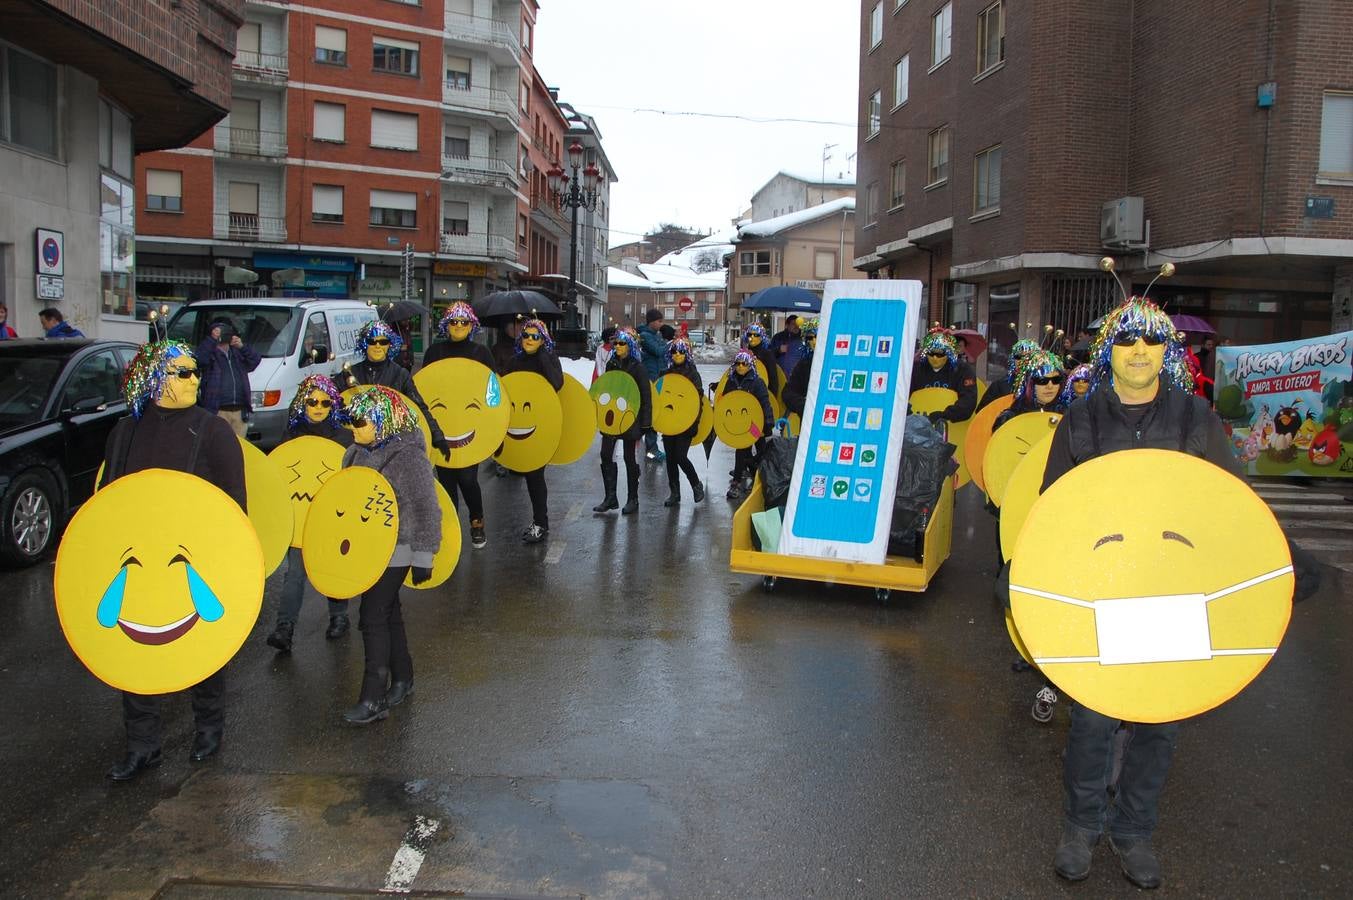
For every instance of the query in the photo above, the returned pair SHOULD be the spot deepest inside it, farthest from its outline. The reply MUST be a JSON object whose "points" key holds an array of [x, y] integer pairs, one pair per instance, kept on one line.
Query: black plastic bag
{"points": [[927, 459], [777, 469]]}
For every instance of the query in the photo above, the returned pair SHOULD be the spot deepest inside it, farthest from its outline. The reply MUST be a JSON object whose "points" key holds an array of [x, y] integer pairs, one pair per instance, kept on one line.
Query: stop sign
{"points": [[686, 304]]}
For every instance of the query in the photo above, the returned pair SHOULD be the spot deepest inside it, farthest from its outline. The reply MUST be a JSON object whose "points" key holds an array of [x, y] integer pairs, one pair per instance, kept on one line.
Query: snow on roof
{"points": [[714, 245], [673, 277], [768, 227], [841, 178], [622, 279]]}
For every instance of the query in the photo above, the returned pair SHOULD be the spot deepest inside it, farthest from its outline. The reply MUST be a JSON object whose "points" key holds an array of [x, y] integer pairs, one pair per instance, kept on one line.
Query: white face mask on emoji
{"points": [[1165, 628]]}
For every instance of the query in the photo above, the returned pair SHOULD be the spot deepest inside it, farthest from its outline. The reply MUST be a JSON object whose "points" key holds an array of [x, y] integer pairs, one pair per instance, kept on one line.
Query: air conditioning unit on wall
{"points": [[1121, 222]]}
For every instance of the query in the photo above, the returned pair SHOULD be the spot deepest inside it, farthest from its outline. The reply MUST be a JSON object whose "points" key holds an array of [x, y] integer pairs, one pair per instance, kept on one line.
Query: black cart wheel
{"points": [[882, 595], [768, 583]]}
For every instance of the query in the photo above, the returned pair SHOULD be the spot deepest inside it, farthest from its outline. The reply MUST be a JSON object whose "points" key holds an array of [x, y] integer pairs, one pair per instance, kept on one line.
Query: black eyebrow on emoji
{"points": [[129, 560], [436, 404], [1107, 539], [1176, 536], [473, 404]]}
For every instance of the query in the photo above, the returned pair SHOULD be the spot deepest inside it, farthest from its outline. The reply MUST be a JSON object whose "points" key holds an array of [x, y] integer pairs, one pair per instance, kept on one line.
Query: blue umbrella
{"points": [[784, 297]]}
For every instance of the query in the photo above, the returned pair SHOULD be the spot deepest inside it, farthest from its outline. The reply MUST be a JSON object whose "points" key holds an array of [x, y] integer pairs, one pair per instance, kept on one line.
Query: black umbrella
{"points": [[501, 306], [402, 311]]}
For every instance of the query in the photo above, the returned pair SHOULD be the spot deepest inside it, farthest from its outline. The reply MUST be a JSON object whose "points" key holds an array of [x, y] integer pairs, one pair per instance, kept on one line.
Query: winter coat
{"points": [[1019, 408], [403, 460], [795, 393], [995, 391], [788, 349], [327, 429], [64, 330], [767, 358], [654, 351], [466, 349], [164, 438], [958, 378], [7, 333], [503, 352], [687, 371], [636, 370], [218, 371], [391, 374], [752, 384], [543, 363]]}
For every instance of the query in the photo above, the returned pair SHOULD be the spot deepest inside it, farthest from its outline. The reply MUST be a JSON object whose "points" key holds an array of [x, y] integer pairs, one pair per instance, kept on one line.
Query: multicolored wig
{"points": [[1021, 349], [311, 383], [743, 358], [809, 328], [544, 332], [1080, 373], [678, 345], [374, 329], [458, 310], [939, 340], [1139, 317], [1039, 364], [385, 409], [757, 329], [144, 380], [629, 338]]}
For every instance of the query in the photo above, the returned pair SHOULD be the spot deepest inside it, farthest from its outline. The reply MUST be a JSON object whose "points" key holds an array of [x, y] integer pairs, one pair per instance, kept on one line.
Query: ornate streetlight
{"points": [[575, 190]]}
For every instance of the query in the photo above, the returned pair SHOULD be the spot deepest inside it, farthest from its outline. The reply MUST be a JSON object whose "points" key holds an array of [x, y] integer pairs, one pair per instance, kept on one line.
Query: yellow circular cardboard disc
{"points": [[1021, 493], [350, 532], [467, 399], [676, 404], [433, 455], [1135, 604], [535, 425], [269, 506], [979, 435], [149, 607], [616, 396], [932, 400], [795, 424], [448, 552], [1015, 639], [304, 464], [580, 422], [706, 425], [738, 419], [1008, 445]]}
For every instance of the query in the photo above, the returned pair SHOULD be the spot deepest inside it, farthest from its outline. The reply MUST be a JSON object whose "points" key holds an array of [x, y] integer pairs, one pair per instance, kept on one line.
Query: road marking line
{"points": [[409, 857], [574, 512], [1317, 526], [1296, 495], [555, 553], [1319, 511]]}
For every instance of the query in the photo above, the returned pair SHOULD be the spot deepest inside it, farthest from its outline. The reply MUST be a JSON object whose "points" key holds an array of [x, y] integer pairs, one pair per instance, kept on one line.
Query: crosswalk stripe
{"points": [[1322, 525], [1313, 509], [1298, 496]]}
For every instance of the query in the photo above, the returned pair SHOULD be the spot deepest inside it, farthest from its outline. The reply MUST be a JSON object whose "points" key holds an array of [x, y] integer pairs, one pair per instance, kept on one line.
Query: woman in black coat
{"points": [[626, 357], [678, 446]]}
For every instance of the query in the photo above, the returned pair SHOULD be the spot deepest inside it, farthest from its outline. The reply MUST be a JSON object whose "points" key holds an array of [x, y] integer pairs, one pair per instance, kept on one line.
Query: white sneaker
{"points": [[1044, 703]]}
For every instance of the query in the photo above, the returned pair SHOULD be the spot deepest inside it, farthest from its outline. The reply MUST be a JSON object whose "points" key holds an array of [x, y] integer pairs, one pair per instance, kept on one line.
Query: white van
{"points": [[284, 331]]}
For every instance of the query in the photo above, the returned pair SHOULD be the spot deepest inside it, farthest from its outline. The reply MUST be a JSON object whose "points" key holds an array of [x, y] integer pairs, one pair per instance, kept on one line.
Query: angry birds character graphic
{"points": [[1285, 427], [467, 399], [1307, 432], [535, 423], [1142, 611], [305, 464], [154, 608], [1263, 427], [1325, 447], [617, 400], [350, 532], [1249, 447]]}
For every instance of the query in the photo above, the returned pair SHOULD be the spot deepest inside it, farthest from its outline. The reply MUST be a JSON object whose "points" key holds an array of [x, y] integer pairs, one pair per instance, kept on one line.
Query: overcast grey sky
{"points": [[755, 58]]}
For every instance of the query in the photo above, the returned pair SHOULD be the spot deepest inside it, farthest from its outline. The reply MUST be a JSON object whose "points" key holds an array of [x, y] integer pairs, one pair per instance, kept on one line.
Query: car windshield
{"points": [[270, 330], [25, 384]]}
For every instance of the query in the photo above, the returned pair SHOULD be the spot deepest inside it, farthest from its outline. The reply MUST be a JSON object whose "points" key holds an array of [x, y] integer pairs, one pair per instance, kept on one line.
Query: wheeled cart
{"points": [[897, 573]]}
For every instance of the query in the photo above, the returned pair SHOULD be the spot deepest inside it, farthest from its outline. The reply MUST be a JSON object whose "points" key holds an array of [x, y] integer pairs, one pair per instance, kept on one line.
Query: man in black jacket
{"points": [[167, 430], [376, 342]]}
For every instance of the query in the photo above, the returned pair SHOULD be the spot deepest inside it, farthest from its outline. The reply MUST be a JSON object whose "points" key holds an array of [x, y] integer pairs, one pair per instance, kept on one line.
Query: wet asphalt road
{"points": [[614, 714]]}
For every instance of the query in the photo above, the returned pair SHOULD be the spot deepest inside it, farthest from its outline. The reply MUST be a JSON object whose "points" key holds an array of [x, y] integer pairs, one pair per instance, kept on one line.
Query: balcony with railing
{"points": [[545, 211], [481, 100], [494, 246], [471, 29], [250, 143], [231, 226], [484, 171], [250, 65]]}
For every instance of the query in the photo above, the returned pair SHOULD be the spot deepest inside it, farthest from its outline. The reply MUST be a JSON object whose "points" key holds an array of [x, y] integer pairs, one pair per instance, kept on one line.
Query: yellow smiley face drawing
{"points": [[535, 423], [676, 404], [1008, 446], [1139, 610], [448, 553], [304, 464], [934, 399], [580, 422], [350, 532], [617, 400], [738, 419], [269, 504], [468, 401], [1021, 493], [979, 435], [152, 599]]}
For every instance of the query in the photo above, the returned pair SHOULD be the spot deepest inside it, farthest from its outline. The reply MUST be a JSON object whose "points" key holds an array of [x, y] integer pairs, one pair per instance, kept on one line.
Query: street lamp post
{"points": [[576, 190]]}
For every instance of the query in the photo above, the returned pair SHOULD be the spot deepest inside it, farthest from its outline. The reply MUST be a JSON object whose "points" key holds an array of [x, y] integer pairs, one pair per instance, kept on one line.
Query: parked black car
{"points": [[58, 402]]}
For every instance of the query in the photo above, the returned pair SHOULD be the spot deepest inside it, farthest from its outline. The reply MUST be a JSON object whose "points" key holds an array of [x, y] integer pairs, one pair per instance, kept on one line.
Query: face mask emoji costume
{"points": [[754, 336], [307, 461], [739, 414]]}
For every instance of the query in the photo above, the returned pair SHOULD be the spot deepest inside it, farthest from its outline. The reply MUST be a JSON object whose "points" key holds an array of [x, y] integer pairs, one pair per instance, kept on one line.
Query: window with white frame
{"points": [[991, 36], [456, 142], [329, 122], [394, 130], [455, 217], [941, 34], [937, 170], [394, 209], [394, 55], [458, 73], [754, 262], [117, 209], [901, 80], [897, 184], [28, 102], [1336, 135], [986, 186], [871, 204], [875, 113], [898, 4], [876, 25], [331, 45], [164, 190], [326, 202], [824, 264]]}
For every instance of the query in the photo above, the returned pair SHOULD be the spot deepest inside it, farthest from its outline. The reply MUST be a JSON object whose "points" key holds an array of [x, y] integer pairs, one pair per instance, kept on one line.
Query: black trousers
{"points": [[141, 713], [1088, 767], [678, 450], [463, 482], [539, 494], [630, 451], [383, 638], [746, 461]]}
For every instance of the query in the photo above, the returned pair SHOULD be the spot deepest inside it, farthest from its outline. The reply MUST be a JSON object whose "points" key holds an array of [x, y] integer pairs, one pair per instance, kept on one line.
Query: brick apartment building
{"points": [[993, 134], [654, 245], [644, 286], [85, 87], [356, 130]]}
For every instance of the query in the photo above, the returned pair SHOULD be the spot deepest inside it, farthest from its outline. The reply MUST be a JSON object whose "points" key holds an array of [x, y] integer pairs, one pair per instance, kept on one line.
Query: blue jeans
{"points": [[293, 591], [1088, 768]]}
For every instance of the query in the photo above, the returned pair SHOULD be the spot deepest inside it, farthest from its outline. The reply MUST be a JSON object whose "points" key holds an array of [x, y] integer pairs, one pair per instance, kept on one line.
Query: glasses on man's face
{"points": [[1129, 339], [1050, 379], [185, 373], [379, 342], [311, 401]]}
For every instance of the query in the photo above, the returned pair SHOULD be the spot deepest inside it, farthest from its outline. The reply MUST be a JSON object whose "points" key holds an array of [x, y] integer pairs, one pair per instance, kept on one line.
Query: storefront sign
{"points": [[303, 261], [810, 285], [379, 287], [1288, 407], [1320, 207], [462, 269]]}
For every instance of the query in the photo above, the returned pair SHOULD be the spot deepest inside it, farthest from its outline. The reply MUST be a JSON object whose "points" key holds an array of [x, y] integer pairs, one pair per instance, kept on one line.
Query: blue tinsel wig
{"points": [[757, 329], [938, 340], [1139, 317], [311, 383], [809, 328], [678, 345], [1039, 364], [458, 310], [1021, 349], [627, 337], [746, 358], [1080, 373], [378, 329], [544, 333], [144, 380]]}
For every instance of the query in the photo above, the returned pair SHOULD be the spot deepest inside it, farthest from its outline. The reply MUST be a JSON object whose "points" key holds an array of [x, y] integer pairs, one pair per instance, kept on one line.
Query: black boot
{"points": [[338, 626], [609, 474], [632, 494], [673, 493], [134, 764], [697, 490], [398, 691], [280, 639], [372, 706]]}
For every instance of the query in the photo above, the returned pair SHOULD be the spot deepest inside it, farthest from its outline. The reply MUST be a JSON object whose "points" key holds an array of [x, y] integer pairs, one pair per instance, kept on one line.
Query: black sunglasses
{"points": [[186, 373], [311, 401], [937, 354], [358, 423], [380, 342], [1128, 339], [450, 322], [1051, 379]]}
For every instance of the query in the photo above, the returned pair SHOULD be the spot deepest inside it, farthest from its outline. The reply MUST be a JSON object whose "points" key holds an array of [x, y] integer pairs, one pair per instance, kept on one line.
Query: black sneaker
{"points": [[535, 534], [1138, 860], [1072, 860], [478, 539]]}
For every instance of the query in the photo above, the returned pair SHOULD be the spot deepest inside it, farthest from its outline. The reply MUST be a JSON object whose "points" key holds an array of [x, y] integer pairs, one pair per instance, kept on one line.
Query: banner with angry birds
{"points": [[1288, 407]]}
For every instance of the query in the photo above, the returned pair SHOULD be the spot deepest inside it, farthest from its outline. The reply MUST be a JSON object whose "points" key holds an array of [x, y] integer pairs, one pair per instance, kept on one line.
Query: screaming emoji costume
{"points": [[627, 421]]}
